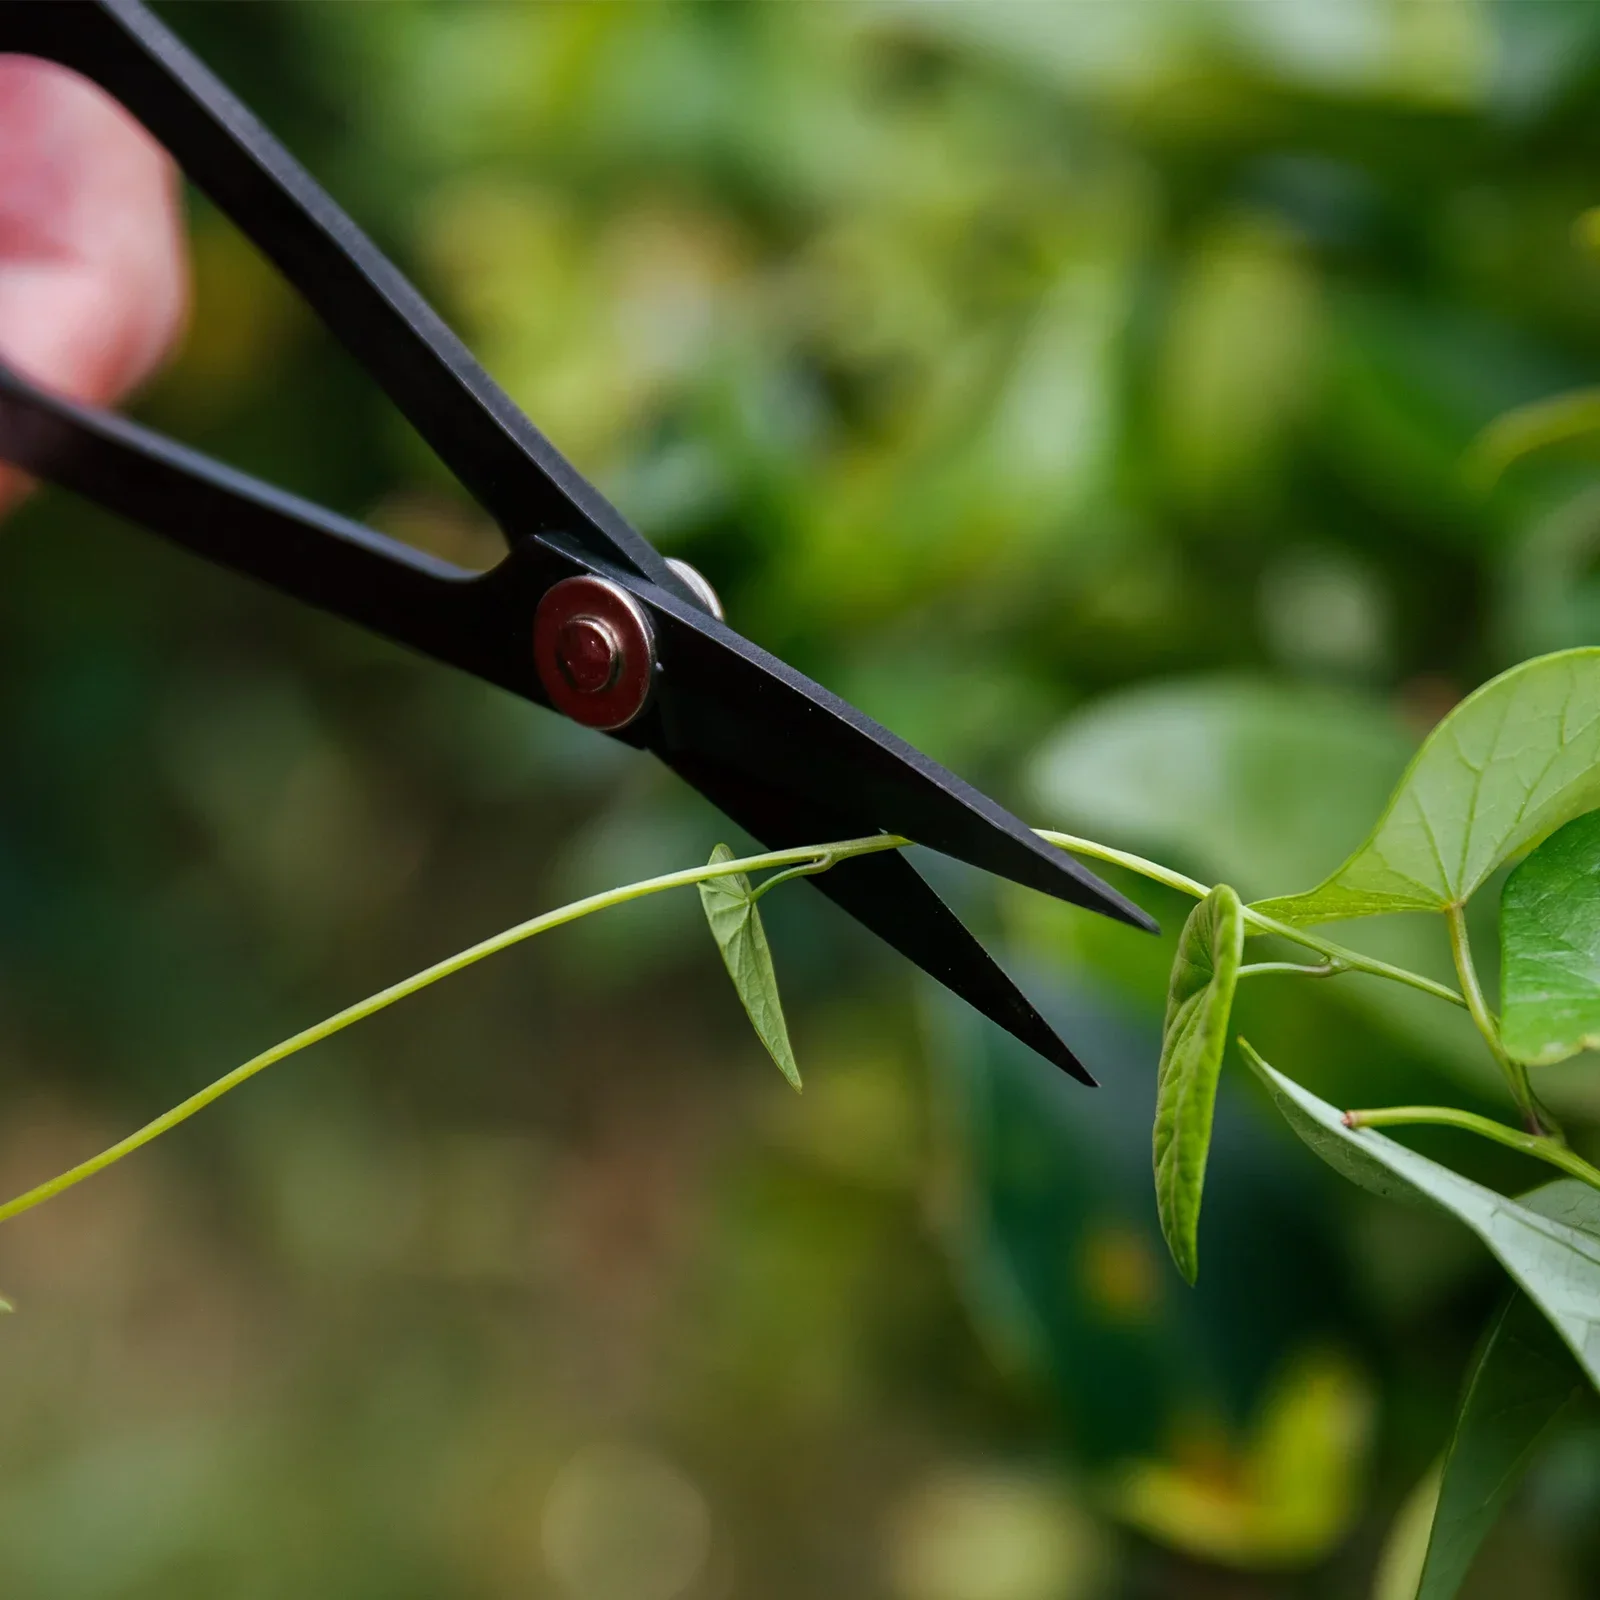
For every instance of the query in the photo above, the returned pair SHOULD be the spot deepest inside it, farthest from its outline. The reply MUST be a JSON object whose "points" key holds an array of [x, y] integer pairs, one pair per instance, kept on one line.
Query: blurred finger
{"points": [[92, 274]]}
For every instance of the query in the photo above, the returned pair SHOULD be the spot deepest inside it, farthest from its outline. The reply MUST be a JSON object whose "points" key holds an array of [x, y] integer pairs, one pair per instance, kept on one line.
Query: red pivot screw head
{"points": [[588, 655], [594, 651]]}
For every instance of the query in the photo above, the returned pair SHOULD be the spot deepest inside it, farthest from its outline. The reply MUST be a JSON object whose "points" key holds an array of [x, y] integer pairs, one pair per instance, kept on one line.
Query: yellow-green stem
{"points": [[1352, 960], [1295, 969], [815, 857], [1516, 1075], [796, 862], [1539, 1146]]}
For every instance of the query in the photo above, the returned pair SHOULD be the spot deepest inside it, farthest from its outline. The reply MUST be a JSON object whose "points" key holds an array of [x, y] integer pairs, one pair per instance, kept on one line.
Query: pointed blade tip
{"points": [[1097, 896], [1074, 1068], [1043, 1040], [1125, 910], [1094, 894]]}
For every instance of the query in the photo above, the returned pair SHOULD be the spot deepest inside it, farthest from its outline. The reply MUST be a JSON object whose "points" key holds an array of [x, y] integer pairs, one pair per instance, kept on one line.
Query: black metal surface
{"points": [[886, 894], [788, 761]]}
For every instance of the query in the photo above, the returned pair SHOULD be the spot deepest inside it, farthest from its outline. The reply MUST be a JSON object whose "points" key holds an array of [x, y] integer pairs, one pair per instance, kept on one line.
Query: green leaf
{"points": [[1523, 1385], [1541, 424], [1205, 973], [1550, 947], [1252, 783], [1506, 767], [1239, 781], [1551, 1249], [730, 909]]}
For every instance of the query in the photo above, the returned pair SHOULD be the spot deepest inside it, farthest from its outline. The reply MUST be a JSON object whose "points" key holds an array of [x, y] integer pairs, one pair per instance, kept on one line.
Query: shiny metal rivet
{"points": [[695, 581], [595, 651]]}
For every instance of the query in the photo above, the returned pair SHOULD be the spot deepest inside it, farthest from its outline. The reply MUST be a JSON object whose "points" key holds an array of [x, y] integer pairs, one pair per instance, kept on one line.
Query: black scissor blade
{"points": [[885, 893], [729, 702], [724, 698]]}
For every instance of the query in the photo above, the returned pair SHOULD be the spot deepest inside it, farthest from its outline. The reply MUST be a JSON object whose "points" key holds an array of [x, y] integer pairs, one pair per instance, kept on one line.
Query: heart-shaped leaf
{"points": [[1524, 1383], [730, 909], [1552, 1250], [1205, 973], [1509, 765], [1236, 780], [1550, 947]]}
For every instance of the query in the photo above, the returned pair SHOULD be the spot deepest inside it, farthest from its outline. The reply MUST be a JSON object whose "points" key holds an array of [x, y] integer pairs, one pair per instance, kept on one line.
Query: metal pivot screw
{"points": [[595, 652], [696, 582]]}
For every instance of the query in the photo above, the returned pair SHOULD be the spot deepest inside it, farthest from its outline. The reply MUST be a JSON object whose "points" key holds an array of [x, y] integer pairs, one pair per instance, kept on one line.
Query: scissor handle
{"points": [[502, 460]]}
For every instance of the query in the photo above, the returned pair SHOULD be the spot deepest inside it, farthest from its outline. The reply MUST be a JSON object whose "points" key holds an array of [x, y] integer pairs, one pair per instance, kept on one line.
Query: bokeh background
{"points": [[1083, 390]]}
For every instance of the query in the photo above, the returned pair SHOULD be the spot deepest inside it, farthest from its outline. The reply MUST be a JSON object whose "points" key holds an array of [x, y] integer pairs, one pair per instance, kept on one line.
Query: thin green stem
{"points": [[1262, 969], [1351, 960], [1540, 1146], [800, 861], [1516, 1075], [1152, 870], [812, 858], [808, 869]]}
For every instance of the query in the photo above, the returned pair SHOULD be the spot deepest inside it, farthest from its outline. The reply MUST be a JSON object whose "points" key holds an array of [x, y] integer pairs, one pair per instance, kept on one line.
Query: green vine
{"points": [[805, 861], [791, 862]]}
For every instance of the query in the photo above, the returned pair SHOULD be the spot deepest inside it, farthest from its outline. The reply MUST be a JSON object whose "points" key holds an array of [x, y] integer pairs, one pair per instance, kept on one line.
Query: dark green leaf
{"points": [[1550, 947], [1552, 1250], [1505, 768], [736, 926], [1199, 1000], [1523, 1383]]}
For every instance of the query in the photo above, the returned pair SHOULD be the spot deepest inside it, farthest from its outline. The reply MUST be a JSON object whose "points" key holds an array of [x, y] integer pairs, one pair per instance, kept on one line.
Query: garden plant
{"points": [[1085, 392], [1510, 774]]}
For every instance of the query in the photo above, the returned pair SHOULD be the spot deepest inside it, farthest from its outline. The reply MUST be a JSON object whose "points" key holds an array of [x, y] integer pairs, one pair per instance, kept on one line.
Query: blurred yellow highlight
{"points": [[1121, 1274], [989, 1534], [1283, 1497], [621, 1523]]}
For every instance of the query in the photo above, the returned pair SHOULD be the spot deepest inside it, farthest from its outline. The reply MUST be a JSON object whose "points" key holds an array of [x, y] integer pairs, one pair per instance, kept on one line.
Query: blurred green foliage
{"points": [[1054, 380]]}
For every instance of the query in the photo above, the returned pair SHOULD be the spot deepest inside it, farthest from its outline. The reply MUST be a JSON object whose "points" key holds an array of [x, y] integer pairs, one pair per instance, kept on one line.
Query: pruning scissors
{"points": [[582, 615]]}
